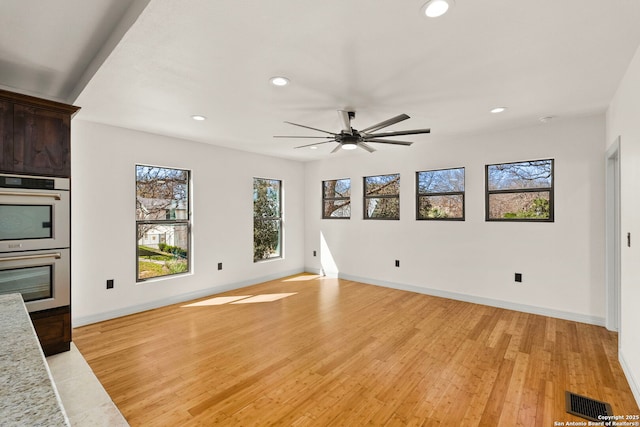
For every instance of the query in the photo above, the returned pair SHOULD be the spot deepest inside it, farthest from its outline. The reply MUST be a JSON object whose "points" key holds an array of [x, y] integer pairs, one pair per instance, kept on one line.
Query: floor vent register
{"points": [[586, 407]]}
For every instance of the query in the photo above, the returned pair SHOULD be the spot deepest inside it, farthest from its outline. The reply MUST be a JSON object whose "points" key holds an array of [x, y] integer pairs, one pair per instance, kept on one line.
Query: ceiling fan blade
{"points": [[338, 147], [366, 147], [293, 136], [386, 123], [345, 121], [309, 127], [315, 143], [398, 133], [388, 141]]}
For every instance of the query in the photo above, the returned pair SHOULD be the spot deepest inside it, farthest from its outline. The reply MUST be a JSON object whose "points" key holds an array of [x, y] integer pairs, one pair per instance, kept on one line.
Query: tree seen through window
{"points": [[267, 219], [520, 191], [162, 221], [440, 194], [382, 197], [336, 198]]}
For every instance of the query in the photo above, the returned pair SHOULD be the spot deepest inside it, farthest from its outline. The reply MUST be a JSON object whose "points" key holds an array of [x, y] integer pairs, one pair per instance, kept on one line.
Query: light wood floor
{"points": [[337, 352]]}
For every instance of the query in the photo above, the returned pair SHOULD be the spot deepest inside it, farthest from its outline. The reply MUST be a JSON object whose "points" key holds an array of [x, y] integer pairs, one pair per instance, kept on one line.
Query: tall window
{"points": [[382, 197], [440, 194], [267, 219], [521, 191], [162, 221], [336, 198]]}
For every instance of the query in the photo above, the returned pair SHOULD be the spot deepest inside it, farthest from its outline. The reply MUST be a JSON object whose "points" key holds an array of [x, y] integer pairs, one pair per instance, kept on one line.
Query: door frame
{"points": [[613, 237]]}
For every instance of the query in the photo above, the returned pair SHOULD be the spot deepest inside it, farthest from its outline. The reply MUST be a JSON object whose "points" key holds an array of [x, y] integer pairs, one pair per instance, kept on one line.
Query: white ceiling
{"points": [[151, 65]]}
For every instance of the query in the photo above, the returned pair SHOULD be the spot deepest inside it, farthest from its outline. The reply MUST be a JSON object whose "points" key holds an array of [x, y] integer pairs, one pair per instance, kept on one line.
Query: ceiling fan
{"points": [[349, 138]]}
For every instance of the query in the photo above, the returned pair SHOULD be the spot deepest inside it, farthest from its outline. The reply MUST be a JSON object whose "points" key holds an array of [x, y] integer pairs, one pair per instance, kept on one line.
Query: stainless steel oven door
{"points": [[42, 277], [34, 219]]}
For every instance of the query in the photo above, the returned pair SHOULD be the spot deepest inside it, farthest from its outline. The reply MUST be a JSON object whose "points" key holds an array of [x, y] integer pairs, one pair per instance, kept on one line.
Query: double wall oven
{"points": [[35, 240]]}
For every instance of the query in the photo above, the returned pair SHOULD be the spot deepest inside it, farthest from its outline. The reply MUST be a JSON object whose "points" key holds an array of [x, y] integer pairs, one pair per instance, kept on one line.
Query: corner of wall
{"points": [[631, 379]]}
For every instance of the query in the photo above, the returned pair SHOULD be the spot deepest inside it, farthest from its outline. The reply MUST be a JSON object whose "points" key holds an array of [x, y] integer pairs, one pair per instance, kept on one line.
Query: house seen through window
{"points": [[162, 221]]}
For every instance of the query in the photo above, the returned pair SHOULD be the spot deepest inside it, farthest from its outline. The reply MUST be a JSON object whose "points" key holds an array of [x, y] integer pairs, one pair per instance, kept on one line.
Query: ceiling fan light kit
{"points": [[350, 139], [436, 8]]}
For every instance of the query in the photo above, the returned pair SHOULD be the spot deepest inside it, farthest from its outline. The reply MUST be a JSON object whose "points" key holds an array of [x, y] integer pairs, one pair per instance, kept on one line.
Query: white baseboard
{"points": [[635, 386], [576, 317], [99, 317], [107, 315]]}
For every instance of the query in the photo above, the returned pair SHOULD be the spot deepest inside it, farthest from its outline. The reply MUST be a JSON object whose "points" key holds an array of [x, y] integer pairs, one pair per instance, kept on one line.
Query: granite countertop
{"points": [[28, 396]]}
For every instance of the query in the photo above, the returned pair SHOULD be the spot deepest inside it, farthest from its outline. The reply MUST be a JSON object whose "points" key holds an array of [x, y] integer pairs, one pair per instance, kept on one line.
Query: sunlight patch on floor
{"points": [[239, 299], [216, 301], [264, 298], [303, 278]]}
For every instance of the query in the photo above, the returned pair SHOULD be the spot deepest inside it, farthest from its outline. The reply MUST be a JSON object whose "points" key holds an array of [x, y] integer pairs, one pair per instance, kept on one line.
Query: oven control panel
{"points": [[27, 182]]}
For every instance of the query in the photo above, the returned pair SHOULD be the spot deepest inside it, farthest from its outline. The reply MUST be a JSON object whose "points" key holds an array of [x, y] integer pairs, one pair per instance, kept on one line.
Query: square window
{"points": [[520, 191], [336, 199], [440, 194], [382, 197]]}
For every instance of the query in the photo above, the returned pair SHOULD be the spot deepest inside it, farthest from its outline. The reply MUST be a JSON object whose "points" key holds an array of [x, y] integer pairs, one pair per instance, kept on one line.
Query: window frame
{"points": [[365, 197], [549, 189], [167, 222], [334, 199], [419, 195], [279, 219]]}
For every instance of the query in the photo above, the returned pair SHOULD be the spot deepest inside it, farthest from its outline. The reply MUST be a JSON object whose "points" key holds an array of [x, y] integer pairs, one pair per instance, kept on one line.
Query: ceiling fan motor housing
{"points": [[345, 138]]}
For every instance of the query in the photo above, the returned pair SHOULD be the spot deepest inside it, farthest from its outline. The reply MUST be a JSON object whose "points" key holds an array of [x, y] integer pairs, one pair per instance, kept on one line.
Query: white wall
{"points": [[562, 262], [103, 219], [623, 120]]}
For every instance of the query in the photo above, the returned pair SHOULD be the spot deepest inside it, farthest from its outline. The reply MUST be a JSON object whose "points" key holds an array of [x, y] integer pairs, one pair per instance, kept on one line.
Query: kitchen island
{"points": [[28, 396]]}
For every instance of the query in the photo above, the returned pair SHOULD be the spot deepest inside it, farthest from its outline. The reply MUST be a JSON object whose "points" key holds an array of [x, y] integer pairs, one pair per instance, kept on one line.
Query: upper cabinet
{"points": [[35, 135]]}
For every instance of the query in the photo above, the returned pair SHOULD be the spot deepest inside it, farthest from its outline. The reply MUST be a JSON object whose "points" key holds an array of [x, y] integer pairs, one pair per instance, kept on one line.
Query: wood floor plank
{"points": [[339, 352]]}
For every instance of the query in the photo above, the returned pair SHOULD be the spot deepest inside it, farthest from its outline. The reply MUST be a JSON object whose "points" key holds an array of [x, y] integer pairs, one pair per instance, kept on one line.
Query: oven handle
{"points": [[56, 255], [56, 196]]}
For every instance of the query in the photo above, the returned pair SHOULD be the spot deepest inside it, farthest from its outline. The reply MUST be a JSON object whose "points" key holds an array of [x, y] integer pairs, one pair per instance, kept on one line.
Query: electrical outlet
{"points": [[397, 263], [219, 266], [314, 253], [518, 277], [110, 284]]}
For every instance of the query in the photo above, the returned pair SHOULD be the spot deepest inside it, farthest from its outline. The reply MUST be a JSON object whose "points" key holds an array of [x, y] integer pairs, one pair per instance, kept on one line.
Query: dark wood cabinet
{"points": [[6, 134], [36, 135], [53, 328], [41, 141]]}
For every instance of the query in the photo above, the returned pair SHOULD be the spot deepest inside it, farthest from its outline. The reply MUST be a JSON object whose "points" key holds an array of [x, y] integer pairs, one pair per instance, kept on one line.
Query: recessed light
{"points": [[435, 8], [546, 119], [279, 81], [198, 117], [498, 110], [313, 147]]}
